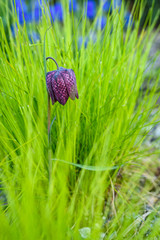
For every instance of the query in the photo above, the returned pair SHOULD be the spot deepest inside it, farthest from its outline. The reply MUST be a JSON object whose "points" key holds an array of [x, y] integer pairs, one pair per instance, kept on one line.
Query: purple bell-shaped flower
{"points": [[61, 84]]}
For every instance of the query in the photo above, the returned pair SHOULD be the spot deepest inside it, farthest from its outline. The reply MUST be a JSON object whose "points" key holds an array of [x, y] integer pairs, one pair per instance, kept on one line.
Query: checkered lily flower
{"points": [[61, 84]]}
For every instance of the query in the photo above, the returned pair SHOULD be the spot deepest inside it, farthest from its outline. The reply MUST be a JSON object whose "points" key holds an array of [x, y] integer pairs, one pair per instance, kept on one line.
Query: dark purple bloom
{"points": [[61, 84], [91, 9]]}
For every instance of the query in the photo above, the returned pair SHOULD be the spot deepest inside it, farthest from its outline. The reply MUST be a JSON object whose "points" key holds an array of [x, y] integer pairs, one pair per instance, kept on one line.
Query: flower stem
{"points": [[49, 110], [54, 61], [49, 142], [49, 116]]}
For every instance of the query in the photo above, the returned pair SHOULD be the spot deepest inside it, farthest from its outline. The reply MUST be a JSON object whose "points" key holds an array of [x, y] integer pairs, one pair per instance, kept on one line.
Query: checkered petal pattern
{"points": [[61, 85]]}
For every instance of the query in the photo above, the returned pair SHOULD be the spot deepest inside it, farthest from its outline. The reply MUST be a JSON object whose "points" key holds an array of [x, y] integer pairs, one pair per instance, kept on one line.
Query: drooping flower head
{"points": [[61, 84]]}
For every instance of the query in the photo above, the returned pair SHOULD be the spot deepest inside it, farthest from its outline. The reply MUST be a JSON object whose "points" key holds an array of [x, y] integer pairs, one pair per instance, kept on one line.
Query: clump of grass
{"points": [[104, 130]]}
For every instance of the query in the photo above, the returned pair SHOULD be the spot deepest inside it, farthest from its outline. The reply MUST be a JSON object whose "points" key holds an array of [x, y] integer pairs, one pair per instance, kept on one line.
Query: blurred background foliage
{"points": [[31, 10]]}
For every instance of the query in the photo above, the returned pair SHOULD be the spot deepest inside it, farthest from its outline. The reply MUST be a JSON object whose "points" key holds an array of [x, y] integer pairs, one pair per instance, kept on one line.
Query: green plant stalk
{"points": [[49, 111], [49, 141]]}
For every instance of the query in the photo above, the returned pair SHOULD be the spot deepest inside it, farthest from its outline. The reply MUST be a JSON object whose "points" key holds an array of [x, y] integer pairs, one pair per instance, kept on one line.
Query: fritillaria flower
{"points": [[61, 84]]}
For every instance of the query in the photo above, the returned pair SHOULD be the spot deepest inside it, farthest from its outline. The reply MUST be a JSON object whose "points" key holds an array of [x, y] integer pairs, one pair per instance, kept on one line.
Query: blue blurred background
{"points": [[30, 11]]}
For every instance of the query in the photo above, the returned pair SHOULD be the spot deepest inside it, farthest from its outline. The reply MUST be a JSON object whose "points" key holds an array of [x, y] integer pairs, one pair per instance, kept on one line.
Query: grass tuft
{"points": [[103, 176]]}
